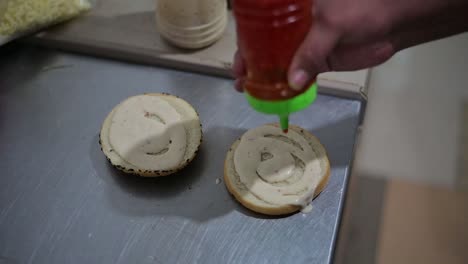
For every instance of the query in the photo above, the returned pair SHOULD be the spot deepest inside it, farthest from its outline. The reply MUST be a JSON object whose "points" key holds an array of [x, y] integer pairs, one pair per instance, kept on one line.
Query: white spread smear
{"points": [[278, 168], [147, 132], [307, 209]]}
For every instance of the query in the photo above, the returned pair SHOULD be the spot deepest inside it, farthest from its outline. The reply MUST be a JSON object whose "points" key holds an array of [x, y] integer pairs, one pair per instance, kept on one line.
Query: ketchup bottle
{"points": [[268, 34]]}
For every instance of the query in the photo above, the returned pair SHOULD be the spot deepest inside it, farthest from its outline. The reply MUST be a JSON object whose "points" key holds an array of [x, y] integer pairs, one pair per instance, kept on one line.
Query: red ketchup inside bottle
{"points": [[268, 33]]}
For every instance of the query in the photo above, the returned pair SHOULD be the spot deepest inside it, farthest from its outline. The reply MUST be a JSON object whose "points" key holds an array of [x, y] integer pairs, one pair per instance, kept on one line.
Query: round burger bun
{"points": [[191, 125], [247, 199]]}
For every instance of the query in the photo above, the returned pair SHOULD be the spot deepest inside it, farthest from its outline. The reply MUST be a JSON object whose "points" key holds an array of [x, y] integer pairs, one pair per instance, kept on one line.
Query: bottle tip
{"points": [[284, 123]]}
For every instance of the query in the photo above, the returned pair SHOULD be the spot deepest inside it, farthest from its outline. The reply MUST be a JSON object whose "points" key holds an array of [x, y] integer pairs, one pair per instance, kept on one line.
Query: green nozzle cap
{"points": [[284, 108]]}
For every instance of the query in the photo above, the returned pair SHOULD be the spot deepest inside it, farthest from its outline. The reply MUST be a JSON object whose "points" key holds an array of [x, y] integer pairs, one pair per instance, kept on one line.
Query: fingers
{"points": [[239, 85], [239, 71], [311, 57], [239, 66]]}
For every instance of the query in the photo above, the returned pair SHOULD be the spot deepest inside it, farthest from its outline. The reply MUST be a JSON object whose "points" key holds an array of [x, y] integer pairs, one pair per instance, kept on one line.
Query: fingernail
{"points": [[299, 80]]}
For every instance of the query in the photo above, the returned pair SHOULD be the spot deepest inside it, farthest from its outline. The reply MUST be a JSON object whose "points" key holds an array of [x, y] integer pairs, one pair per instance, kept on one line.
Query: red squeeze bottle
{"points": [[268, 34]]}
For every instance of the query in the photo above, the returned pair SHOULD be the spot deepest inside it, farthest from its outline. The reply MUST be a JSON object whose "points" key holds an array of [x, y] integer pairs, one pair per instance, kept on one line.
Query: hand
{"points": [[356, 34]]}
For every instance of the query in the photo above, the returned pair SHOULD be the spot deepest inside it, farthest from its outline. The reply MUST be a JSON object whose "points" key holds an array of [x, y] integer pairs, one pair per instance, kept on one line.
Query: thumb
{"points": [[311, 57]]}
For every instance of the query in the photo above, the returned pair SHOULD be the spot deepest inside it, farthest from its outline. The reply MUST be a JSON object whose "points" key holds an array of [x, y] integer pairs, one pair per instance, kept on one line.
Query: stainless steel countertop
{"points": [[60, 201]]}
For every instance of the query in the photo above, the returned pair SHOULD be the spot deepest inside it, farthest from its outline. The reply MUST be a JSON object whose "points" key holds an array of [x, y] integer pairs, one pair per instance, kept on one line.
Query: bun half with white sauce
{"points": [[274, 173], [151, 135]]}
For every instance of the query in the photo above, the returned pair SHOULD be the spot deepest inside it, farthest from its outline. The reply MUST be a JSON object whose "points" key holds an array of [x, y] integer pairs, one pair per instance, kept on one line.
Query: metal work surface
{"points": [[61, 202]]}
